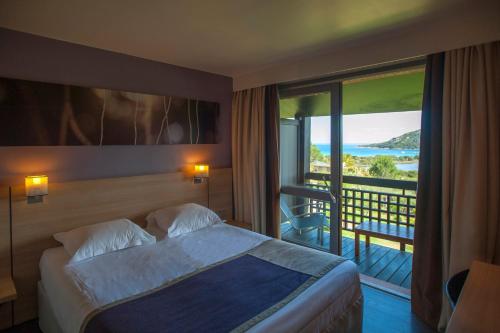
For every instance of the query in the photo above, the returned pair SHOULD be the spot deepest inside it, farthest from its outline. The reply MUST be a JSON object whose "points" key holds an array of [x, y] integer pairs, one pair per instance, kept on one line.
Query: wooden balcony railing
{"points": [[364, 198]]}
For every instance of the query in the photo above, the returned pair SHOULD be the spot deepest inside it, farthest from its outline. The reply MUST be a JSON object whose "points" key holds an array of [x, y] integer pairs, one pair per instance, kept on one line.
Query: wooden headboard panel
{"points": [[5, 310], [74, 204]]}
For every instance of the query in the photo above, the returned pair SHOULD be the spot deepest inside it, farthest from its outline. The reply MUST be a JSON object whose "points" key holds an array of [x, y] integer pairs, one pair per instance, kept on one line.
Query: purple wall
{"points": [[29, 57]]}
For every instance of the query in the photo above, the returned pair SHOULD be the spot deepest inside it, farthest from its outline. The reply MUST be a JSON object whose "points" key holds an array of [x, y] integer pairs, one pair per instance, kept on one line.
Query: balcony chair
{"points": [[305, 222]]}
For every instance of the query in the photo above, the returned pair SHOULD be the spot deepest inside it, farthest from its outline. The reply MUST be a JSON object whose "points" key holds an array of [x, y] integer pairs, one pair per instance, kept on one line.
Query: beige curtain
{"points": [[471, 159], [255, 131], [248, 130]]}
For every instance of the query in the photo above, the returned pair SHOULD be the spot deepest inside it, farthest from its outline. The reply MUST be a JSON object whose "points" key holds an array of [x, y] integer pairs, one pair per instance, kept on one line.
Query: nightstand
{"points": [[8, 293], [240, 224], [7, 290]]}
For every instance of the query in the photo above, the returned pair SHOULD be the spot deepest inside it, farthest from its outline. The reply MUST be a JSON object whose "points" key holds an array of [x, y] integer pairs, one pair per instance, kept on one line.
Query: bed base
{"points": [[46, 318]]}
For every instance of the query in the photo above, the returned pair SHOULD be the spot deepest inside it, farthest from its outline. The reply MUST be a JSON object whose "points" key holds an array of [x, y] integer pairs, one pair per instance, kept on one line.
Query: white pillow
{"points": [[183, 219], [96, 239]]}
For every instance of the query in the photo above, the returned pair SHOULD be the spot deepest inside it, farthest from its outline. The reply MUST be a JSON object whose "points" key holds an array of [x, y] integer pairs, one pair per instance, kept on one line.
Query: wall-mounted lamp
{"points": [[36, 188], [201, 172]]}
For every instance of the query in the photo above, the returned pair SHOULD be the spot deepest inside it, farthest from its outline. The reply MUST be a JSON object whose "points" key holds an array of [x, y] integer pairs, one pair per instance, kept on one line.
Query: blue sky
{"points": [[367, 128]]}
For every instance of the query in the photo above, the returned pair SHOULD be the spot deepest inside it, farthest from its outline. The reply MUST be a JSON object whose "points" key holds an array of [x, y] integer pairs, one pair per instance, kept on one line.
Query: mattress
{"points": [[73, 291]]}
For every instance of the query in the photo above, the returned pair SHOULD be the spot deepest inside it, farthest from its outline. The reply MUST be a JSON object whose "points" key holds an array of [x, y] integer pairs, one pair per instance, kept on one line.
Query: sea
{"points": [[359, 150]]}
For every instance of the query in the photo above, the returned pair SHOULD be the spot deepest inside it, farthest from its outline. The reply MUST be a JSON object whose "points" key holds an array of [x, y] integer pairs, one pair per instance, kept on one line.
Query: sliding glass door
{"points": [[355, 136], [310, 166]]}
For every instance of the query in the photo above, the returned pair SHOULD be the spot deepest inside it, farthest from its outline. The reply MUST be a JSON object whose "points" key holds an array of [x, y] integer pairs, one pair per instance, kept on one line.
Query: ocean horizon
{"points": [[357, 149]]}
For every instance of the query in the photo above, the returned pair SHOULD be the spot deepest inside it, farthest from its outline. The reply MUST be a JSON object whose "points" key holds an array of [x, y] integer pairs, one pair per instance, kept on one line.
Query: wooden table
{"points": [[478, 308], [390, 231]]}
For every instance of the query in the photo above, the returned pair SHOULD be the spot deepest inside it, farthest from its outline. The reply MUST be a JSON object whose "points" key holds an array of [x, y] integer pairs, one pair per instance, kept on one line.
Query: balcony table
{"points": [[390, 231]]}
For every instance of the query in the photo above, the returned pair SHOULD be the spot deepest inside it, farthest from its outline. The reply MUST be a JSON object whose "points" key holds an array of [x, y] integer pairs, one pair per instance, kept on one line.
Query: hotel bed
{"points": [[72, 295]]}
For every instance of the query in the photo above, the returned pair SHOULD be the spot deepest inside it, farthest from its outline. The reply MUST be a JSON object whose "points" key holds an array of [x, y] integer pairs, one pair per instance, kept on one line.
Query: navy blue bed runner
{"points": [[218, 299]]}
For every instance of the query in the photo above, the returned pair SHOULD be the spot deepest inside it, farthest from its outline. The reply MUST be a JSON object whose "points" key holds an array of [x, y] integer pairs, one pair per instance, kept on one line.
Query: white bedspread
{"points": [[77, 289]]}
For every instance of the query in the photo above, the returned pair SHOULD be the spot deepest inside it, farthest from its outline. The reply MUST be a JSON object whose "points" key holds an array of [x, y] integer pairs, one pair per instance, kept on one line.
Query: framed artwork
{"points": [[47, 114]]}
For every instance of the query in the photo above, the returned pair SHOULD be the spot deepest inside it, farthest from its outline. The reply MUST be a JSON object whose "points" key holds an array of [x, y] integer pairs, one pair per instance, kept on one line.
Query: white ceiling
{"points": [[229, 37]]}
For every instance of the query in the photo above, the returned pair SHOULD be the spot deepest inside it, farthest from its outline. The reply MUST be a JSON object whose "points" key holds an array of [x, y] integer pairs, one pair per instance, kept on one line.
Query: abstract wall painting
{"points": [[47, 114]]}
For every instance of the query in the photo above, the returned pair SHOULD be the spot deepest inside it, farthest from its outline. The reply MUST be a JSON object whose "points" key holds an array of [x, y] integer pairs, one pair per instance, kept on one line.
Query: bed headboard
{"points": [[74, 204]]}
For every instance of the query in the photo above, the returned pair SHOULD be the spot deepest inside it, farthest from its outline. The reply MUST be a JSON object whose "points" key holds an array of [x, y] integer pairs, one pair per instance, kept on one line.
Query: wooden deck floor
{"points": [[377, 261]]}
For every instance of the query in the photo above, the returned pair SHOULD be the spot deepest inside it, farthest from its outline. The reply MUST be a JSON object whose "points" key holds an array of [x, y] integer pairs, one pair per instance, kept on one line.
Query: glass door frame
{"points": [[335, 177], [333, 84]]}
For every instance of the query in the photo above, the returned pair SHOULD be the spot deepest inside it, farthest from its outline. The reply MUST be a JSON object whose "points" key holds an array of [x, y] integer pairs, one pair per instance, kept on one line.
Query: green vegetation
{"points": [[410, 140], [383, 167], [317, 155], [380, 166]]}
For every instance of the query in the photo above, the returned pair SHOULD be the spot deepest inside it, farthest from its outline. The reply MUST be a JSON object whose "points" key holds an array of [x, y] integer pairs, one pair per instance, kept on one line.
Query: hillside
{"points": [[410, 140]]}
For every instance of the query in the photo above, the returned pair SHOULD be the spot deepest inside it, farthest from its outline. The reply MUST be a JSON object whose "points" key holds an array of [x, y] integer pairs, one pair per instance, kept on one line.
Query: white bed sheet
{"points": [[75, 290]]}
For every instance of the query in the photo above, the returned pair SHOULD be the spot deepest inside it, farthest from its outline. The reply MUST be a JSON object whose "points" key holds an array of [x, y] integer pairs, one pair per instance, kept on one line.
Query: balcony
{"points": [[363, 199]]}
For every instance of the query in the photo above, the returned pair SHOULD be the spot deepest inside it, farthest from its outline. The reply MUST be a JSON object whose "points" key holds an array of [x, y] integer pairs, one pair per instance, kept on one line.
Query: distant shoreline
{"points": [[360, 150], [361, 146]]}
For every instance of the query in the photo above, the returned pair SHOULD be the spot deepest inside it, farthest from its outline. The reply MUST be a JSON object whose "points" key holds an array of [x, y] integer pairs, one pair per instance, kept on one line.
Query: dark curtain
{"points": [[271, 110], [427, 289]]}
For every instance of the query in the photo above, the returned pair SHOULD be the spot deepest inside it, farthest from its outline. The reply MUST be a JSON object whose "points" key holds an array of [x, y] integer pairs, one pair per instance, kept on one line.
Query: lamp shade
{"points": [[201, 170], [36, 185]]}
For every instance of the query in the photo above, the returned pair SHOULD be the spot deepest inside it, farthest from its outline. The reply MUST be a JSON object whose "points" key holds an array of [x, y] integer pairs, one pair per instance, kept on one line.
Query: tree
{"points": [[383, 167], [349, 164], [316, 154]]}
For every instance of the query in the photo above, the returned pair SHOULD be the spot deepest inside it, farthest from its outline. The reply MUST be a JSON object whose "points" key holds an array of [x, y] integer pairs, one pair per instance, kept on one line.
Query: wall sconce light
{"points": [[201, 172], [36, 188]]}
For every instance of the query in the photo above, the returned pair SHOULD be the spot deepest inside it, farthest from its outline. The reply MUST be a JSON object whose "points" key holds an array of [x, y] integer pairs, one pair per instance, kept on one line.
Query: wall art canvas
{"points": [[47, 114]]}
